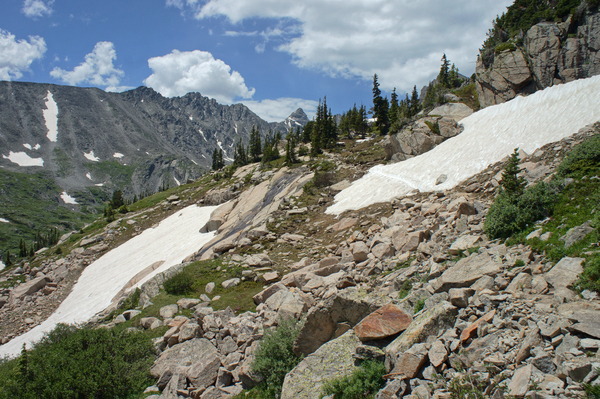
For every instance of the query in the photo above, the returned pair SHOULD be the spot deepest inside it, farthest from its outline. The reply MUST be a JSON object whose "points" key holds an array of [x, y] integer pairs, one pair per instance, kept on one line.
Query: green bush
{"points": [[274, 358], [179, 284], [72, 362], [364, 382], [508, 216], [590, 278], [303, 150], [581, 156], [505, 46]]}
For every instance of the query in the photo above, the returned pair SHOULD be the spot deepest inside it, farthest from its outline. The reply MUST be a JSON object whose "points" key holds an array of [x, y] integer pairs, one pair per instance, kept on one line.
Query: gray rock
{"points": [[576, 234], [565, 272], [182, 355], [466, 272], [332, 360], [232, 282], [169, 311]]}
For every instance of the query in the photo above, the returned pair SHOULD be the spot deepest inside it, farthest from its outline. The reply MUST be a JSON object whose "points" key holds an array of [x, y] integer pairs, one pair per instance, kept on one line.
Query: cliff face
{"points": [[549, 53]]}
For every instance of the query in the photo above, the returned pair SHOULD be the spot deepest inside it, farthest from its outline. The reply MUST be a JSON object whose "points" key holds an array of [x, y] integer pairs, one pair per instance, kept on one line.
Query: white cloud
{"points": [[17, 55], [278, 110], [400, 40], [181, 72], [97, 69], [37, 8]]}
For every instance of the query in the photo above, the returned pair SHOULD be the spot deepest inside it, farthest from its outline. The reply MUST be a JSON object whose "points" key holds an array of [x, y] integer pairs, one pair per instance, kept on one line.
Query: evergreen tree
{"points": [[117, 199], [8, 260], [217, 159], [380, 109], [415, 104], [454, 78], [512, 184], [307, 131], [394, 108], [270, 151], [255, 149], [444, 75], [22, 249], [239, 155], [290, 149]]}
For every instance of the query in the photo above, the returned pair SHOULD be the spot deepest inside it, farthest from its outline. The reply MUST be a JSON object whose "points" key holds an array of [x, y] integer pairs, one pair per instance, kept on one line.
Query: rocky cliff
{"points": [[547, 54]]}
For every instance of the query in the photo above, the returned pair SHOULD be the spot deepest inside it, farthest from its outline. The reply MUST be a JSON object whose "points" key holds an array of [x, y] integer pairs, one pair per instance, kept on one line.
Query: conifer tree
{"points": [[290, 149], [239, 155], [380, 109], [415, 104], [444, 75], [8, 260], [394, 108], [255, 149], [512, 184]]}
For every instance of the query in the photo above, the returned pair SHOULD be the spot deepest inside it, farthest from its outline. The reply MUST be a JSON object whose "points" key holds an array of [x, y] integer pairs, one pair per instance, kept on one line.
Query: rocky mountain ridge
{"points": [[549, 53]]}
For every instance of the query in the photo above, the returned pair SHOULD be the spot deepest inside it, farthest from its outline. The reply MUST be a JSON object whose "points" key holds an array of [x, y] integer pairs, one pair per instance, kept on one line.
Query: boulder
{"points": [[332, 360], [565, 272], [384, 322], [232, 282], [429, 322], [28, 288], [455, 111], [169, 311], [187, 303], [183, 355], [360, 251], [463, 243], [466, 271], [576, 234]]}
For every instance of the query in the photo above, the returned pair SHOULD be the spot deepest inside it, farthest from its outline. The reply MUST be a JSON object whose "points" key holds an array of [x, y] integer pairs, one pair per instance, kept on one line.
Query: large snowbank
{"points": [[22, 159], [490, 134], [51, 117], [174, 239]]}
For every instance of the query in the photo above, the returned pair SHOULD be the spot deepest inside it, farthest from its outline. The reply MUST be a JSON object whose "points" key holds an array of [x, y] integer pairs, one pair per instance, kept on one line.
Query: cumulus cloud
{"points": [[181, 72], [17, 55], [37, 8], [98, 69], [400, 40], [278, 110]]}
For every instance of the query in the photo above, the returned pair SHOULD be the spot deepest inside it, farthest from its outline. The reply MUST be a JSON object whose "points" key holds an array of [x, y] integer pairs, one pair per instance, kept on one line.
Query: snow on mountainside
{"points": [[102, 280], [490, 135]]}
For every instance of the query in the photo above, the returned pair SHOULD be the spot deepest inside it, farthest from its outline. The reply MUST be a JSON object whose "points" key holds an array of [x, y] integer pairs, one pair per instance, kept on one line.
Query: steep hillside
{"points": [[82, 144]]}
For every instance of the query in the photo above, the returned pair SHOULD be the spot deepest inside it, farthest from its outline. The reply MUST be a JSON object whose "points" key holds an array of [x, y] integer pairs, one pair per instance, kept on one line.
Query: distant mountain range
{"points": [[137, 140]]}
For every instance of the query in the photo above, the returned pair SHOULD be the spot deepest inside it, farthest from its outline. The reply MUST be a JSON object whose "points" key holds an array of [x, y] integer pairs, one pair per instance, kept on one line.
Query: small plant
{"points": [[519, 263], [592, 391], [179, 284], [505, 46], [590, 278], [303, 151], [364, 382], [274, 357], [419, 305], [405, 289]]}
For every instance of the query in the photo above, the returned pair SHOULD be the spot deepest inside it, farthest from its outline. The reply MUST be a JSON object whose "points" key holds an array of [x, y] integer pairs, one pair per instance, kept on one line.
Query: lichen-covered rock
{"points": [[332, 360]]}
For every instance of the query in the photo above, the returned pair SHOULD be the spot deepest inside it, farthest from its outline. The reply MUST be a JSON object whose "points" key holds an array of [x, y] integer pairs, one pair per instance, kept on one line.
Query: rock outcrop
{"points": [[550, 53]]}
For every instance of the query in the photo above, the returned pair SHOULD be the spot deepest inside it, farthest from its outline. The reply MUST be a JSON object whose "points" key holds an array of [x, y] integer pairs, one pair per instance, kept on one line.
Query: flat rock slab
{"points": [[591, 328], [565, 272], [332, 360], [384, 322], [182, 355], [466, 272], [470, 331], [29, 287]]}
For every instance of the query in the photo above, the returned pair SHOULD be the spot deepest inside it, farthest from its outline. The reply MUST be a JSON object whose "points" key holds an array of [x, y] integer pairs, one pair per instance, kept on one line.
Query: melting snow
{"points": [[225, 157], [99, 184], [22, 159], [174, 239], [2, 265], [202, 133], [90, 155], [88, 175], [51, 117], [118, 155], [191, 118], [28, 146], [2, 220], [490, 135], [67, 199], [177, 181]]}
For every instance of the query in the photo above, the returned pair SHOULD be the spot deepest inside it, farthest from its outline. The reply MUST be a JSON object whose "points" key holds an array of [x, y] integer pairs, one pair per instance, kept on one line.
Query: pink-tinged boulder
{"points": [[384, 322], [470, 331]]}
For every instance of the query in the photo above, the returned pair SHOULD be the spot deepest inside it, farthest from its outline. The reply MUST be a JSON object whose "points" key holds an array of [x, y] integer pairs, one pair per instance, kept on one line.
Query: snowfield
{"points": [[174, 239], [67, 199], [490, 135], [51, 117], [22, 159]]}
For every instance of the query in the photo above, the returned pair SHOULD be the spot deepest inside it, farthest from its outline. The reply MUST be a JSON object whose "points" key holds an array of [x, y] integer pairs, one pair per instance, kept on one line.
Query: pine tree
{"points": [[22, 249], [7, 260], [290, 150], [415, 104], [255, 149], [380, 109], [512, 184], [239, 155], [444, 75], [394, 108]]}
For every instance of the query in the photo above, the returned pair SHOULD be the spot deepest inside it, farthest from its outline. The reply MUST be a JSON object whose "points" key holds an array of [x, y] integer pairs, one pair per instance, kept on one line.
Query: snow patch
{"points": [[225, 157], [195, 163], [2, 265], [22, 159], [101, 281], [202, 133], [177, 181], [118, 155], [28, 146], [191, 118], [67, 199], [88, 175], [51, 117], [90, 156], [490, 135], [99, 184], [2, 220]]}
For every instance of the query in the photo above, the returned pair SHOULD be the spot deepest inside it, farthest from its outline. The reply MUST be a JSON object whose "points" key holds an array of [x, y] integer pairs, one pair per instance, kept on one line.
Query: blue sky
{"points": [[272, 55]]}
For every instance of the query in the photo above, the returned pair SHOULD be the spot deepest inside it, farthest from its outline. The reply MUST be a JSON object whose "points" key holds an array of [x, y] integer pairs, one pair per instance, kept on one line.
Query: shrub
{"points": [[303, 150], [179, 284], [364, 382], [508, 216], [505, 46], [581, 156], [72, 362], [590, 278], [274, 358]]}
